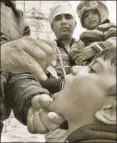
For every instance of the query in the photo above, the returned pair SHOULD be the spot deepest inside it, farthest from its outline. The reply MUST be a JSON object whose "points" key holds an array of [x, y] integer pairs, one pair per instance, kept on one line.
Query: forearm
{"points": [[100, 46], [21, 88]]}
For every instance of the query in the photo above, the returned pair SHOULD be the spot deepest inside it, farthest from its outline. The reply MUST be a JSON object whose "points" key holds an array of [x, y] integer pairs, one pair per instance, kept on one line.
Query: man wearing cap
{"points": [[63, 22]]}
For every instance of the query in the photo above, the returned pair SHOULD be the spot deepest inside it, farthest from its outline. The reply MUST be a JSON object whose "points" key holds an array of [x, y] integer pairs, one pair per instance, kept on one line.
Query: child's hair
{"points": [[108, 54]]}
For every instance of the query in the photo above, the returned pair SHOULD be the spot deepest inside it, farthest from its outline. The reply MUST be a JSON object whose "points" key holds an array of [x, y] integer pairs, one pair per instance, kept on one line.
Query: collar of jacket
{"points": [[62, 45], [10, 4], [95, 132]]}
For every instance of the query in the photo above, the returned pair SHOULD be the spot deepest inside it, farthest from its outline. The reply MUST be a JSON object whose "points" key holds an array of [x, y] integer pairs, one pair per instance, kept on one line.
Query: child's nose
{"points": [[90, 16]]}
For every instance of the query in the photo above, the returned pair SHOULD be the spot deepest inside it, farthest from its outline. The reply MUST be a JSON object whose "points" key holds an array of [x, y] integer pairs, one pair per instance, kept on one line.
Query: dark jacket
{"points": [[94, 133]]}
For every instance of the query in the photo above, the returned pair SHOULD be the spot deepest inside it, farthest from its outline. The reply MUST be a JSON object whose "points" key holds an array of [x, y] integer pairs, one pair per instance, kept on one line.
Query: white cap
{"points": [[61, 9]]}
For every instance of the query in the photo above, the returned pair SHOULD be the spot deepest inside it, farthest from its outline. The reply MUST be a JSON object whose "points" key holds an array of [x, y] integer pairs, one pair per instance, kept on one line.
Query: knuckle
{"points": [[25, 39], [42, 56], [50, 52], [53, 127]]}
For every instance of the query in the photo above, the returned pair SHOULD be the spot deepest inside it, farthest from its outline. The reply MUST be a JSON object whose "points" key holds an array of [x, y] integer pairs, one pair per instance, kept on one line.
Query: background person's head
{"points": [[63, 21], [92, 13], [84, 97]]}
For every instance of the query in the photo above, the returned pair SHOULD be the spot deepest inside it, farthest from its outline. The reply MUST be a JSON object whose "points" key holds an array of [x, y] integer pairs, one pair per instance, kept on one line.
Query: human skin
{"points": [[27, 54], [63, 26], [91, 19], [84, 93]]}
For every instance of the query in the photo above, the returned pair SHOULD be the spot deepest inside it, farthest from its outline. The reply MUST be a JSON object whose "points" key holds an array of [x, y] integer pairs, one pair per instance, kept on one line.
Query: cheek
{"points": [[55, 27], [72, 26], [85, 21], [87, 93], [98, 17], [62, 98]]}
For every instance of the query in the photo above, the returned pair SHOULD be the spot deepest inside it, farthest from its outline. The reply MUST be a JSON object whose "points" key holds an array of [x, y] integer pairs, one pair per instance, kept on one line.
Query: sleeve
{"points": [[52, 84], [21, 88], [4, 109], [3, 38], [110, 40]]}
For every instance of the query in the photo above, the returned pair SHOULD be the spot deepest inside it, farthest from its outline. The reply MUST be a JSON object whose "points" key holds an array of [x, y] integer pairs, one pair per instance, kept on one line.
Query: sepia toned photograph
{"points": [[58, 71]]}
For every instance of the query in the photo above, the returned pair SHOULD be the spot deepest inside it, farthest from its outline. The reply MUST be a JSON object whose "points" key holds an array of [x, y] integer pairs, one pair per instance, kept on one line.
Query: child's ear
{"points": [[107, 114]]}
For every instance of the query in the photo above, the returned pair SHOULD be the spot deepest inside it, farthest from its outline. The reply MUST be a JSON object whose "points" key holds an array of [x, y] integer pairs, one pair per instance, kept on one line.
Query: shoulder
{"points": [[106, 26]]}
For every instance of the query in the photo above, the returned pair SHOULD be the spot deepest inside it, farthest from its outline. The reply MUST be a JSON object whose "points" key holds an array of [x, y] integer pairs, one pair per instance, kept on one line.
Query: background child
{"points": [[100, 33]]}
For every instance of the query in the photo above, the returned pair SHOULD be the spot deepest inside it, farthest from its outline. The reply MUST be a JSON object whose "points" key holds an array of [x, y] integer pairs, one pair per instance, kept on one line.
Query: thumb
{"points": [[55, 118], [34, 102], [45, 100]]}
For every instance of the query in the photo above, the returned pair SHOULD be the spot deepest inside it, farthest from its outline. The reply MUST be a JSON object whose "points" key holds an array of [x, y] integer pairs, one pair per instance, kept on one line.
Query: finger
{"points": [[39, 126], [47, 48], [74, 54], [45, 100], [30, 124], [31, 65], [79, 60], [35, 52], [48, 123], [54, 47], [34, 102], [81, 44], [23, 62], [54, 117]]}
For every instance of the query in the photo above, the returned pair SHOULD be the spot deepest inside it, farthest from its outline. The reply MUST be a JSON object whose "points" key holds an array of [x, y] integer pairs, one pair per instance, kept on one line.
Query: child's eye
{"points": [[95, 12], [85, 15]]}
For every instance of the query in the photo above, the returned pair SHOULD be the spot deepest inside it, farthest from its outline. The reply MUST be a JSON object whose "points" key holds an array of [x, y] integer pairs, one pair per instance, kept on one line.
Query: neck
{"points": [[76, 124], [66, 41]]}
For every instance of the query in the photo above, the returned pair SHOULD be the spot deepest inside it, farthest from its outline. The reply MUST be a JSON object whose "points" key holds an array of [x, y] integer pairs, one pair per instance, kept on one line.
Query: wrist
{"points": [[97, 48], [62, 84]]}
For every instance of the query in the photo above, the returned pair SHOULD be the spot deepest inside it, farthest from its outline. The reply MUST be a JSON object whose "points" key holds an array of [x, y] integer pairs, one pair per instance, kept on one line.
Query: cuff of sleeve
{"points": [[26, 107], [62, 84], [97, 48]]}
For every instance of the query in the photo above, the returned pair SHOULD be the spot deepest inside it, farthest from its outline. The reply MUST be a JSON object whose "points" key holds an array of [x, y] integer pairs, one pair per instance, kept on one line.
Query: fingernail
{"points": [[52, 115], [51, 100], [53, 63]]}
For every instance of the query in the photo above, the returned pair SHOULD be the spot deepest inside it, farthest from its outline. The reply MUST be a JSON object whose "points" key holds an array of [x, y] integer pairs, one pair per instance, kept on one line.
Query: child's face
{"points": [[91, 19]]}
